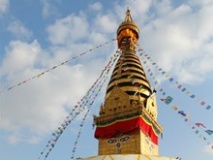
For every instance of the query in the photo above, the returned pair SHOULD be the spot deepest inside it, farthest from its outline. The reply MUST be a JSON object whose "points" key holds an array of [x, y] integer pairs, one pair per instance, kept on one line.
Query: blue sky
{"points": [[37, 35]]}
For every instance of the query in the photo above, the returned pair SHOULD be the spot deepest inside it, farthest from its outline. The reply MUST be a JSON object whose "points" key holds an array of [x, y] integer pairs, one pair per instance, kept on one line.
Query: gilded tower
{"points": [[127, 121]]}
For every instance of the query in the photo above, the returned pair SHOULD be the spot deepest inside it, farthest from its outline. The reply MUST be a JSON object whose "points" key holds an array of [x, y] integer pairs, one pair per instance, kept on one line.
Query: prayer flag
{"points": [[163, 99], [209, 132], [126, 69], [168, 99], [171, 79], [200, 125], [196, 131], [202, 103], [10, 88], [133, 81], [208, 107], [192, 96], [182, 113], [137, 85], [175, 108], [179, 86], [184, 89], [167, 75], [187, 92]]}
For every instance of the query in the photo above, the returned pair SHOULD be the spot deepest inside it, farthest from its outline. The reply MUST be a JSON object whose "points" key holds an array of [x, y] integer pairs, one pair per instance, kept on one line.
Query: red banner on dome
{"points": [[124, 126]]}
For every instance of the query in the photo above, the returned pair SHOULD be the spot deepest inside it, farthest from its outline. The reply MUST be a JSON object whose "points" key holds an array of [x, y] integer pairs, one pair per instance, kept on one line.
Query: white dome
{"points": [[128, 157]]}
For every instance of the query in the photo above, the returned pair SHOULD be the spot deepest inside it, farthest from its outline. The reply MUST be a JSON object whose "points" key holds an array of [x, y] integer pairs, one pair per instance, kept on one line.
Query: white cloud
{"points": [[4, 5], [179, 46], [198, 2], [20, 56], [27, 112], [139, 11], [139, 7], [69, 29], [105, 23], [41, 104], [19, 30], [48, 8], [97, 6], [205, 25]]}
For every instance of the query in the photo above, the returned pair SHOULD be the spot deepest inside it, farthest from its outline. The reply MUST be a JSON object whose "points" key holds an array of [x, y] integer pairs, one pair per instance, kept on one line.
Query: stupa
{"points": [[127, 127]]}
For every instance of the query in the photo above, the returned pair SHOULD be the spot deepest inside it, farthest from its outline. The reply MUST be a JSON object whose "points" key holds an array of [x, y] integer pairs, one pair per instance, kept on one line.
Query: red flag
{"points": [[200, 125], [126, 69], [163, 99], [202, 103]]}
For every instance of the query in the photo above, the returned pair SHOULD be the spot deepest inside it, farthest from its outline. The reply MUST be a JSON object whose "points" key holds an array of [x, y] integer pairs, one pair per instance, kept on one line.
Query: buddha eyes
{"points": [[121, 139], [124, 138], [111, 141]]}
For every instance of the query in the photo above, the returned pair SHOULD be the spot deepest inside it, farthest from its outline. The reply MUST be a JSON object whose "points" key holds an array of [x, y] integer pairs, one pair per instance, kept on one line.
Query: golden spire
{"points": [[128, 116], [128, 72], [128, 27]]}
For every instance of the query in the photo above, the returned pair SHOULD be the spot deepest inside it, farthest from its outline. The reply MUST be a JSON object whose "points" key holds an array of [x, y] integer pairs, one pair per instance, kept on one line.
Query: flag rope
{"points": [[109, 67], [167, 99], [178, 85], [80, 107], [54, 67]]}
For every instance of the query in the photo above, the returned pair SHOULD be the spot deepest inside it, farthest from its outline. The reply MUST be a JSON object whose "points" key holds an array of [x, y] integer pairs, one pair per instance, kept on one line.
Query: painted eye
{"points": [[111, 141], [124, 138]]}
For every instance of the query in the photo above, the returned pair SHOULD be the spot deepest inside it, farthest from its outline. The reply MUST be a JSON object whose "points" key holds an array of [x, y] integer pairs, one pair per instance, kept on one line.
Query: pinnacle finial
{"points": [[128, 16], [128, 10]]}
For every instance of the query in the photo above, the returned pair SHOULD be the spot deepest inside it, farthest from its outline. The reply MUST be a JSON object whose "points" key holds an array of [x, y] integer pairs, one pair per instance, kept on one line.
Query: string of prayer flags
{"points": [[79, 133], [69, 119], [171, 79], [83, 121], [80, 107], [54, 67], [168, 99]]}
